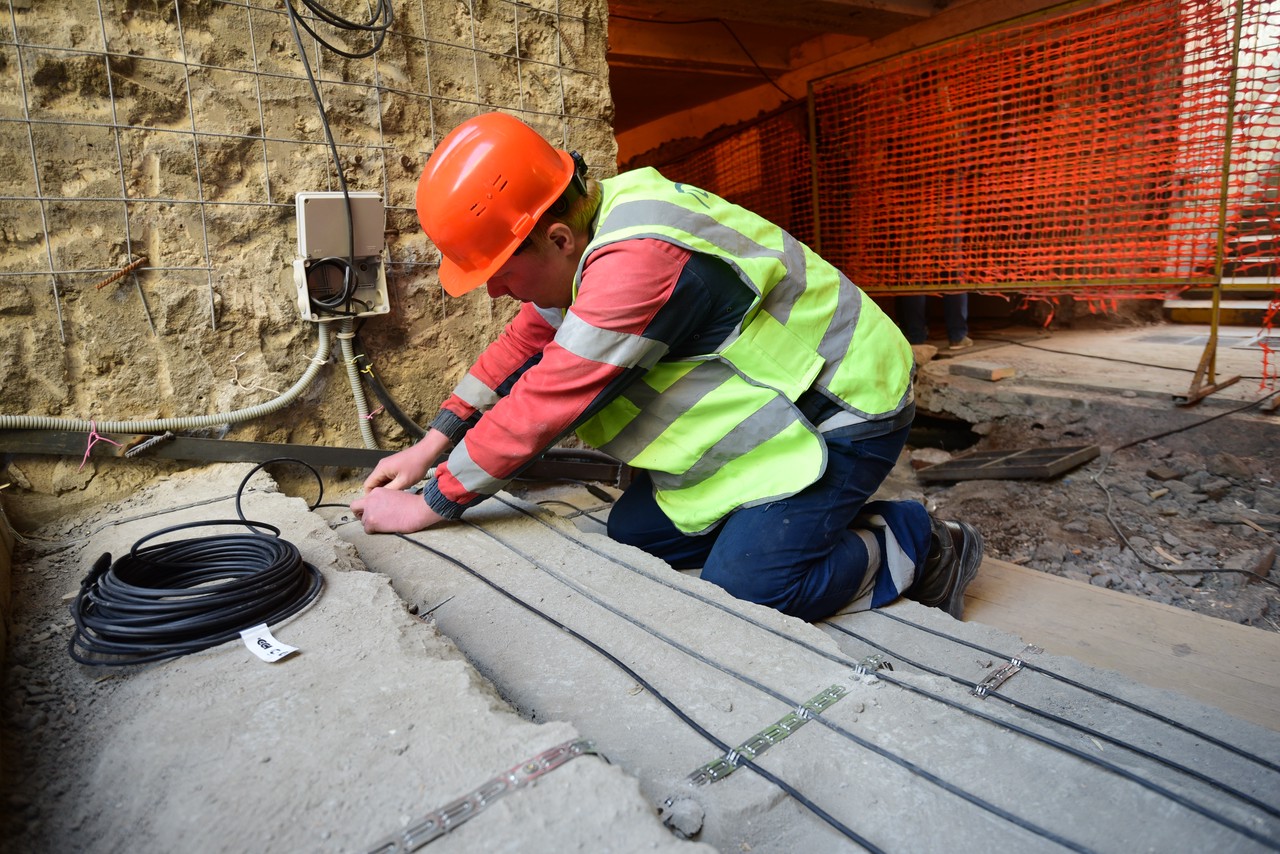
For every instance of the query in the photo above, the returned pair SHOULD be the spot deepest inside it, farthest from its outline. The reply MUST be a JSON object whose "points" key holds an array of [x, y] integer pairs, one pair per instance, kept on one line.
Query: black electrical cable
{"points": [[380, 20], [1073, 751], [845, 831], [1066, 680], [791, 703], [411, 427], [165, 600], [1093, 760], [1070, 724], [1117, 361], [1174, 570]]}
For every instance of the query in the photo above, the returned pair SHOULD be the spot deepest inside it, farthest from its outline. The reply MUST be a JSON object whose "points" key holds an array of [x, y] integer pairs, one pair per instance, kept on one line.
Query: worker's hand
{"points": [[390, 511], [404, 469]]}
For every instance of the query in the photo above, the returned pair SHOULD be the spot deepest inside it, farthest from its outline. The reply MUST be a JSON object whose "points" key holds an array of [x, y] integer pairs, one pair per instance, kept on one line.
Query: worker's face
{"points": [[540, 272]]}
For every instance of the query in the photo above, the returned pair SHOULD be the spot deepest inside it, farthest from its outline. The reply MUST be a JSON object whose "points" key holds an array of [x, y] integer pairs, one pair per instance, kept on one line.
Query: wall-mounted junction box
{"points": [[323, 250]]}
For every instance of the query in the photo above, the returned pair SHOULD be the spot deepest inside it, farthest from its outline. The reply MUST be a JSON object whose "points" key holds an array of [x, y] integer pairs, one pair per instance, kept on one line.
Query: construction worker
{"points": [[762, 397]]}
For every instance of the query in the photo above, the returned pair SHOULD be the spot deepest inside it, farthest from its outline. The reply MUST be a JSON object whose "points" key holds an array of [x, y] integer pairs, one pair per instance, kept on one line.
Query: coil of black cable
{"points": [[164, 600]]}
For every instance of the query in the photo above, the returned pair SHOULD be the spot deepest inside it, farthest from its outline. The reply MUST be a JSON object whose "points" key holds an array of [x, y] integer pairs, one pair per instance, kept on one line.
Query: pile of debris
{"points": [[1188, 529]]}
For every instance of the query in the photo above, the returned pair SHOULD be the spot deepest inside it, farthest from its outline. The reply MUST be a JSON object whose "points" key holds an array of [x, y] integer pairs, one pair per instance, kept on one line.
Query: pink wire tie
{"points": [[94, 438]]}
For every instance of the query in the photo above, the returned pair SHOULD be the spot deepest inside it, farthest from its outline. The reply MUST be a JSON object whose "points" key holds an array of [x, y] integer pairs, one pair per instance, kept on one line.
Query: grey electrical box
{"points": [[325, 237]]}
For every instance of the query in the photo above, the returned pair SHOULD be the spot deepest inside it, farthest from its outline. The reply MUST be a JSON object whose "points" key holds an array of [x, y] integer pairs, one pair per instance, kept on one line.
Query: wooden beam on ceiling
{"points": [[706, 47], [961, 17], [848, 17]]}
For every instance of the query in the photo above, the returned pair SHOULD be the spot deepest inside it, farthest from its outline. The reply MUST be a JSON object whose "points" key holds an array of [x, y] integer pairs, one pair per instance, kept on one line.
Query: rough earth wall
{"points": [[181, 132]]}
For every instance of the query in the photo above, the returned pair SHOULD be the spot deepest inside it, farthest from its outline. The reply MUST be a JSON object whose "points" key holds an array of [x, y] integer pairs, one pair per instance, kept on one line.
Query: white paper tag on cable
{"points": [[263, 645]]}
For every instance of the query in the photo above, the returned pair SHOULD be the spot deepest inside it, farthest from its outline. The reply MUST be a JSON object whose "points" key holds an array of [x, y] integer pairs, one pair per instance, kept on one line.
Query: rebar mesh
{"points": [[114, 147]]}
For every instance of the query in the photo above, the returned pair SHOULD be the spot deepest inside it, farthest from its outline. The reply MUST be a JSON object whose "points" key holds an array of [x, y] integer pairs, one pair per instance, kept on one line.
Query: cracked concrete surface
{"points": [[384, 716]]}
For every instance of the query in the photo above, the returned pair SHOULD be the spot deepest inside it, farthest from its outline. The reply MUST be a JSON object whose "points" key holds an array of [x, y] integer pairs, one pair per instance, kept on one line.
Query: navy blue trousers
{"points": [[809, 555], [913, 318]]}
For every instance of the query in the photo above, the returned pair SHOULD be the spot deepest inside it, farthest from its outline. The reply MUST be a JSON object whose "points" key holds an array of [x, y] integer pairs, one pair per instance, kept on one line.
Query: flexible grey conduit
{"points": [[195, 422], [357, 388]]}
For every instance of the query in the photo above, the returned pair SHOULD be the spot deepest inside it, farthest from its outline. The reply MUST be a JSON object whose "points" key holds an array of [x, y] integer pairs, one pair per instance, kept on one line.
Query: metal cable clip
{"points": [[996, 679], [439, 822]]}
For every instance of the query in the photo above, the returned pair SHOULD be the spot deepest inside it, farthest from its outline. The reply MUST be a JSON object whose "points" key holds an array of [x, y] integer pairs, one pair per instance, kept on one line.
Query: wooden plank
{"points": [[1231, 666], [989, 371]]}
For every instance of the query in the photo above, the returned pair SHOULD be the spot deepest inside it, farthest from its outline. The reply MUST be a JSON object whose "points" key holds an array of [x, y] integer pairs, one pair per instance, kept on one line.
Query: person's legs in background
{"points": [[955, 311], [911, 317]]}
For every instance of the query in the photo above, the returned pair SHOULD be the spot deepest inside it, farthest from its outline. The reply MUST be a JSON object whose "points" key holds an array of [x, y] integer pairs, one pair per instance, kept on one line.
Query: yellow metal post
{"points": [[1205, 370]]}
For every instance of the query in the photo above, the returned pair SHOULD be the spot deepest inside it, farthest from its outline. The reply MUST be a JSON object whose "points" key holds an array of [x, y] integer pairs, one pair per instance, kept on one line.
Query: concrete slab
{"points": [[377, 721], [909, 760], [1117, 383], [1152, 363]]}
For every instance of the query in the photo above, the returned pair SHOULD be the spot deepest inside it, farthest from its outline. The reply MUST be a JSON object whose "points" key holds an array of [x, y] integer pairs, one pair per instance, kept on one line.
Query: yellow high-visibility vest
{"points": [[721, 430]]}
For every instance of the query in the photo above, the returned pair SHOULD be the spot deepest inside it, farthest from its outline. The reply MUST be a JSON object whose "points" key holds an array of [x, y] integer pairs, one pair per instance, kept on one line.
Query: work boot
{"points": [[955, 550]]}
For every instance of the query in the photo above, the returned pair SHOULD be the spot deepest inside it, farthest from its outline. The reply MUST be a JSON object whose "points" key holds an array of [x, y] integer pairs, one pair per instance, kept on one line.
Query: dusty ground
{"points": [[1182, 500], [1209, 521]]}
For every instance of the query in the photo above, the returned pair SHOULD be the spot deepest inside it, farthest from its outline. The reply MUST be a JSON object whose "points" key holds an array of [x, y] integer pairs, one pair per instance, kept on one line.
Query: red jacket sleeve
{"points": [[622, 288], [518, 346]]}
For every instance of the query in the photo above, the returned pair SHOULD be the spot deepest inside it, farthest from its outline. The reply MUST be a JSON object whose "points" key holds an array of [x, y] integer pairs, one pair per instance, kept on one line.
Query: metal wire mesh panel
{"points": [[1085, 153], [172, 135], [763, 167]]}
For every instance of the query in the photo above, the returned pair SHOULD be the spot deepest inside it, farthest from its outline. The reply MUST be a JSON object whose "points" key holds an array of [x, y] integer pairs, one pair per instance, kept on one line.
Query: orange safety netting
{"points": [[764, 167], [1084, 154]]}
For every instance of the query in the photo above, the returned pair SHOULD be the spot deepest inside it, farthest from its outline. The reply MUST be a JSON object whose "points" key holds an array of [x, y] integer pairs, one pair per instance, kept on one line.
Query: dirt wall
{"points": [[181, 132]]}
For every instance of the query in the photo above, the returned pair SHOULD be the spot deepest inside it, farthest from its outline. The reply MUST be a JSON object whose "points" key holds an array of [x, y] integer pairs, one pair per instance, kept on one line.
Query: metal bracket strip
{"points": [[721, 767], [439, 822], [999, 677], [996, 679]]}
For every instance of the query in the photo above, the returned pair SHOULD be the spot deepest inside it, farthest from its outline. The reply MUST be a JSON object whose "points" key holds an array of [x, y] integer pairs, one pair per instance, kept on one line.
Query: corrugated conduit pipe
{"points": [[357, 388], [196, 422]]}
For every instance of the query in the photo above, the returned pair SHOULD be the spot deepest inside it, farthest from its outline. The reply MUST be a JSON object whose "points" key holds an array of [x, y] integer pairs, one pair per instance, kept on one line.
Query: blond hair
{"points": [[576, 213]]}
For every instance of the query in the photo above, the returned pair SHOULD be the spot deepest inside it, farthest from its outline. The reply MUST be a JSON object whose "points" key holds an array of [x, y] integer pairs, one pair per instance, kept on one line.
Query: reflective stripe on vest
{"points": [[469, 474], [799, 290], [622, 349]]}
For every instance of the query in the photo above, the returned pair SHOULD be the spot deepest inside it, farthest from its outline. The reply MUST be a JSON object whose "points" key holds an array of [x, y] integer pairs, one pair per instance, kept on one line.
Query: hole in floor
{"points": [[947, 434]]}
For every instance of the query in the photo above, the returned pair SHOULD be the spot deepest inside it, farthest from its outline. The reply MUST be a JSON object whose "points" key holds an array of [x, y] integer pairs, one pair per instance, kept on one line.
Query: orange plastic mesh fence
{"points": [[764, 167], [1086, 150], [1082, 154], [1252, 241]]}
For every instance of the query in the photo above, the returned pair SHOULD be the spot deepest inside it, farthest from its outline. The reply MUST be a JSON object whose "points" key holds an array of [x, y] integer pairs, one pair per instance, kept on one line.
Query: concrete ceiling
{"points": [[667, 56]]}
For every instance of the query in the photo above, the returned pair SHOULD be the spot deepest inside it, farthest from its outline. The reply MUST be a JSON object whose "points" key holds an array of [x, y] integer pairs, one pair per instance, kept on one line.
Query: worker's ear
{"points": [[562, 237]]}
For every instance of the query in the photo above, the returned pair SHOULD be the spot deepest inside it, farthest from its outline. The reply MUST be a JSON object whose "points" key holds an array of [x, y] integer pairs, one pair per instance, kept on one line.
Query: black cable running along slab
{"points": [[1045, 740], [791, 703], [1120, 701], [165, 600], [845, 831], [1116, 769]]}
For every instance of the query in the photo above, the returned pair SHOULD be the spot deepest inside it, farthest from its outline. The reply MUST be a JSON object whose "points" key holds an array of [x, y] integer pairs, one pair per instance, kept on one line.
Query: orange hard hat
{"points": [[482, 192]]}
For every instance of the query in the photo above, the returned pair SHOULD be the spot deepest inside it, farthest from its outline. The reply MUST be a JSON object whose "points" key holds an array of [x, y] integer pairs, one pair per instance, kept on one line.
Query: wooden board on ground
{"points": [[1233, 667]]}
